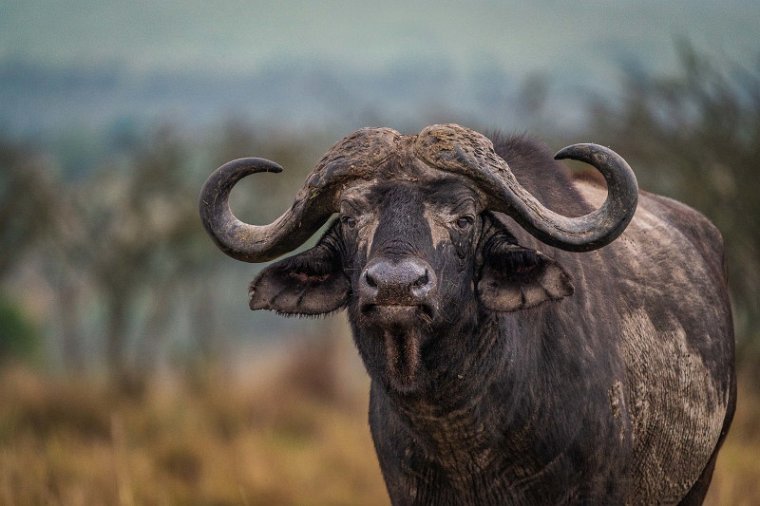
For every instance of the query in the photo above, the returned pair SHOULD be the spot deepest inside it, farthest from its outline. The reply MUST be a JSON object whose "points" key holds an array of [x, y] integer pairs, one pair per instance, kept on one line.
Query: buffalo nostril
{"points": [[422, 287], [368, 286], [422, 280]]}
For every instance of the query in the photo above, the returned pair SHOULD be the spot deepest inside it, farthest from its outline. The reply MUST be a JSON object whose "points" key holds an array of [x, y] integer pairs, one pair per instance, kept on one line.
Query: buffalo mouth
{"points": [[397, 314], [402, 328]]}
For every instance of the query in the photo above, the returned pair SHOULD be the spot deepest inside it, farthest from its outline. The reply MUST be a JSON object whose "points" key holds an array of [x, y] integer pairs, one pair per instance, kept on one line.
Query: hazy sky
{"points": [[232, 35], [579, 45]]}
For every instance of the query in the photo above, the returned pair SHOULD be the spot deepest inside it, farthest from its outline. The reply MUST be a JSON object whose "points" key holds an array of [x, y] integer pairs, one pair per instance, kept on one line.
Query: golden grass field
{"points": [[295, 435]]}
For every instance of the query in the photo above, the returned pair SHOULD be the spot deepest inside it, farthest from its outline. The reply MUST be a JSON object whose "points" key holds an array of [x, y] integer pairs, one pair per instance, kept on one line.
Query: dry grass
{"points": [[284, 440], [737, 475], [296, 435]]}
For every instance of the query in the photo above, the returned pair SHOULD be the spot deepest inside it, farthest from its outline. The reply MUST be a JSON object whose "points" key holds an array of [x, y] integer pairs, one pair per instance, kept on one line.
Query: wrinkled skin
{"points": [[508, 372]]}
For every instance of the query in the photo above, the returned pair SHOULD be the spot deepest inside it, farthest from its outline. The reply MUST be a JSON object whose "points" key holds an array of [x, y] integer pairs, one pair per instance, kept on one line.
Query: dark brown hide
{"points": [[507, 370]]}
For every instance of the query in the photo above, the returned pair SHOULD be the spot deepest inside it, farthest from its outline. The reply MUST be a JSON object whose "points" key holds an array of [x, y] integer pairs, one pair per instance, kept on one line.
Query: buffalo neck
{"points": [[452, 415], [489, 416]]}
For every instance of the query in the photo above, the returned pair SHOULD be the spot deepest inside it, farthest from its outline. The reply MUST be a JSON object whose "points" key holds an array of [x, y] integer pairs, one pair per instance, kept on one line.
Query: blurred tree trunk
{"points": [[155, 330], [70, 331], [204, 323], [116, 337]]}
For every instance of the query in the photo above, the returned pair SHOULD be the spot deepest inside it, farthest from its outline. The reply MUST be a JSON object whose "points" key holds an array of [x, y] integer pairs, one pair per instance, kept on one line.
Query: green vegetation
{"points": [[19, 339]]}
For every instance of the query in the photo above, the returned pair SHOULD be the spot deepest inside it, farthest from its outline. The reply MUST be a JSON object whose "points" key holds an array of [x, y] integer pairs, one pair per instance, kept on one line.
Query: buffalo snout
{"points": [[410, 281]]}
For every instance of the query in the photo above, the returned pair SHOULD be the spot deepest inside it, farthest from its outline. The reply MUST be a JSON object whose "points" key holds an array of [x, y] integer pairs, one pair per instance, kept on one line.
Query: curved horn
{"points": [[354, 157], [457, 149], [250, 243]]}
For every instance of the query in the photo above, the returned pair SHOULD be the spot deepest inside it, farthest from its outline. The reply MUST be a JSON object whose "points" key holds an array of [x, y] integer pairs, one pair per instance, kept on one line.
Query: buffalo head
{"points": [[416, 252]]}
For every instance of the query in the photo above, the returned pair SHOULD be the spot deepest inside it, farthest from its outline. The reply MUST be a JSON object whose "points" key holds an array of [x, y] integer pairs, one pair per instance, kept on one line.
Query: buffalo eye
{"points": [[348, 221], [464, 222]]}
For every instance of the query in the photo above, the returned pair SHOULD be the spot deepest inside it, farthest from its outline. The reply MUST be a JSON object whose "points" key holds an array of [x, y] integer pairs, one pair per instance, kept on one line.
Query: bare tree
{"points": [[123, 249], [132, 232], [27, 202]]}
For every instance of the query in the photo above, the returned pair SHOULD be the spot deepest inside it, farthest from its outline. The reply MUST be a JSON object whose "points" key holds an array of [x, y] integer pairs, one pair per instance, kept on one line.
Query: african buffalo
{"points": [[529, 341]]}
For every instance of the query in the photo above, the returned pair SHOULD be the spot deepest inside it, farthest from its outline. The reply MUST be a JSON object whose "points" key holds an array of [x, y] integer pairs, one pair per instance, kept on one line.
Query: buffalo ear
{"points": [[513, 277], [310, 283]]}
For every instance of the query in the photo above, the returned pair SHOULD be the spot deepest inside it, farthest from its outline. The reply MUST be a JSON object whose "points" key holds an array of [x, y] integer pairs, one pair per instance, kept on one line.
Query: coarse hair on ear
{"points": [[513, 277], [311, 283]]}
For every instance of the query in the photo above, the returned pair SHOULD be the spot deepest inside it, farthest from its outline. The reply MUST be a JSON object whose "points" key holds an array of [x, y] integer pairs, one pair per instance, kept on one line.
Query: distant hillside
{"points": [[337, 64]]}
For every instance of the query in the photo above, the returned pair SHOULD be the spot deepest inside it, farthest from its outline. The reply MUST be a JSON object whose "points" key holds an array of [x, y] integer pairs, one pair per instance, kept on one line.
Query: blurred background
{"points": [[131, 370]]}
